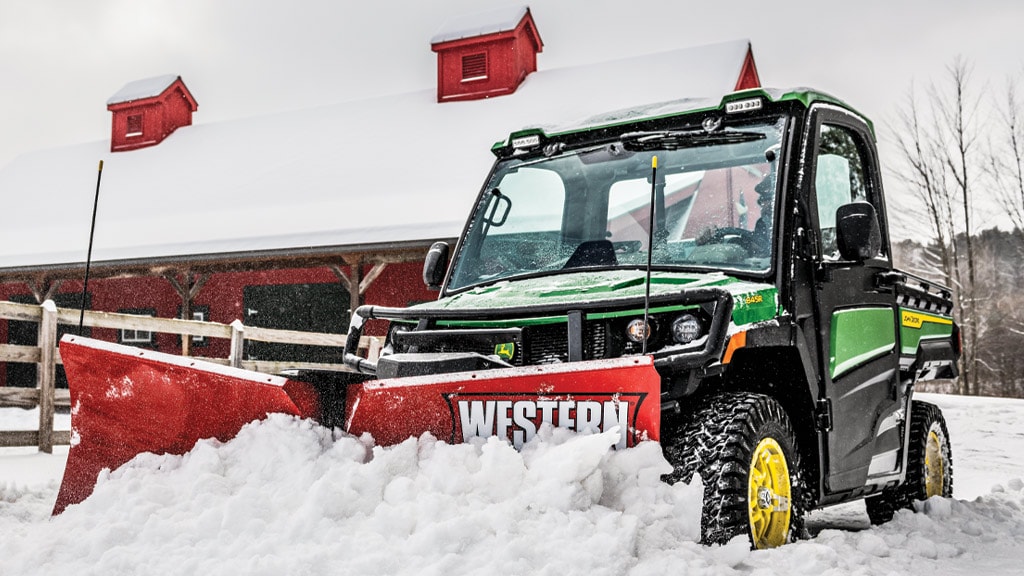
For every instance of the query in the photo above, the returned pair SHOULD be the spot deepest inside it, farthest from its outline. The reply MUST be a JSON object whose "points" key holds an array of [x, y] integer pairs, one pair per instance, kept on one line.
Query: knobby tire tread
{"points": [[717, 441], [883, 507]]}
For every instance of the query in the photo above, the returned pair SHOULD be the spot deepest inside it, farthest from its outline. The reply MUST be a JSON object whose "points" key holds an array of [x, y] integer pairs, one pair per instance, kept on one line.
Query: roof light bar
{"points": [[743, 105]]}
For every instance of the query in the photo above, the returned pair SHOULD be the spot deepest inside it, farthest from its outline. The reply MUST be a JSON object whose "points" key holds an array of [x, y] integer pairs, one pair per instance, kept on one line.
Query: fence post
{"points": [[373, 351], [45, 374], [237, 343]]}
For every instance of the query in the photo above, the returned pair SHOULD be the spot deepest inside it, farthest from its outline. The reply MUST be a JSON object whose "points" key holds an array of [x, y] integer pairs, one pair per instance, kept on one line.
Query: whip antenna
{"points": [[650, 251], [88, 256]]}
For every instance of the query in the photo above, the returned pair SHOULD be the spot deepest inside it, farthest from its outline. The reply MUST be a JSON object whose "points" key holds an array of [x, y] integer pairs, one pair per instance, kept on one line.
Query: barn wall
{"points": [[510, 57], [152, 127], [160, 117], [399, 285], [525, 53], [177, 111]]}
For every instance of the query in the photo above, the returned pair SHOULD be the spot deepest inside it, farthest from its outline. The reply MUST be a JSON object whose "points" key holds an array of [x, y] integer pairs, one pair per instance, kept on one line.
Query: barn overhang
{"points": [[210, 263]]}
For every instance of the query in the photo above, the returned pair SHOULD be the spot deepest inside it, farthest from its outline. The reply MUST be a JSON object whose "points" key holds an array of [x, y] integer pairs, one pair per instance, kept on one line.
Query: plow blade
{"points": [[596, 395], [126, 401]]}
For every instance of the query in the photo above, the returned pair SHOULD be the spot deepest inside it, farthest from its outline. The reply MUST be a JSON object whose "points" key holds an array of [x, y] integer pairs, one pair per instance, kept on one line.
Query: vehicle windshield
{"points": [[590, 207]]}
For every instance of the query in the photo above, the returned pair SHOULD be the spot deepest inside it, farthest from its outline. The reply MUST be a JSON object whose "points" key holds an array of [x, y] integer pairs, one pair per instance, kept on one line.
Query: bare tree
{"points": [[925, 176], [938, 143], [959, 113], [1006, 157]]}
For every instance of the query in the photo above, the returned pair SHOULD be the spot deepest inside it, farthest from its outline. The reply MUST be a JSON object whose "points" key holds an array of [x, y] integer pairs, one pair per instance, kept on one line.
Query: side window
{"points": [[840, 178]]}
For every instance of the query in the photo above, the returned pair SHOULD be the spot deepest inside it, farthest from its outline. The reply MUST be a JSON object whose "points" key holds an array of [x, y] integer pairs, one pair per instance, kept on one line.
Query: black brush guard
{"points": [[669, 360]]}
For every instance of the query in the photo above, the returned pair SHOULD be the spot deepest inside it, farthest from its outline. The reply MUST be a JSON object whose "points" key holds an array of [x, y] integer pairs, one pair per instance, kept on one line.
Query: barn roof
{"points": [[390, 171], [145, 88], [480, 23]]}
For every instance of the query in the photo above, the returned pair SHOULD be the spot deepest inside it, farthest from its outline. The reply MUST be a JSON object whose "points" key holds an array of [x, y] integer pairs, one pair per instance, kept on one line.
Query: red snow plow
{"points": [[126, 401]]}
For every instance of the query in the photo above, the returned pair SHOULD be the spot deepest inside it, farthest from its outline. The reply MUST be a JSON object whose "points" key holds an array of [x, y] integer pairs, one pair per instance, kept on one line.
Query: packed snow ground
{"points": [[290, 497]]}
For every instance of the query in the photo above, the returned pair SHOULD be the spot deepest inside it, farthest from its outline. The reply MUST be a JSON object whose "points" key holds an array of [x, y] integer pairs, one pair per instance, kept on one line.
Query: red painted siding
{"points": [[748, 73], [510, 56], [160, 116], [399, 285]]}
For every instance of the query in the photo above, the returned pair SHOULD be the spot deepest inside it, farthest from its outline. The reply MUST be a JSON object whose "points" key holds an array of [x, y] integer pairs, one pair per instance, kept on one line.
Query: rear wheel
{"points": [[929, 465], [744, 448]]}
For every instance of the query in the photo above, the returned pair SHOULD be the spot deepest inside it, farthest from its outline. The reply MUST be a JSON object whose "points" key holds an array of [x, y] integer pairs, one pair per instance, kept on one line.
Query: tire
{"points": [[929, 465], [744, 448]]}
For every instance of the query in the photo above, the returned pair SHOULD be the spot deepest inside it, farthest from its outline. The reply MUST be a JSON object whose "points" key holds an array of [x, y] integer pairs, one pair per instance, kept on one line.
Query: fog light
{"points": [[635, 330], [685, 329]]}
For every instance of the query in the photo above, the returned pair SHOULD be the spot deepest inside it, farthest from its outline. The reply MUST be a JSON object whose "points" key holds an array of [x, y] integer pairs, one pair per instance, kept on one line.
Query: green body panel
{"points": [[859, 335], [916, 326], [755, 306], [752, 301]]}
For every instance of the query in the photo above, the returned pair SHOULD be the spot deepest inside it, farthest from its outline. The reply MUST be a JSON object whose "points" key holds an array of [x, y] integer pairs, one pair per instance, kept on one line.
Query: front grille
{"points": [[549, 343], [541, 344], [517, 358]]}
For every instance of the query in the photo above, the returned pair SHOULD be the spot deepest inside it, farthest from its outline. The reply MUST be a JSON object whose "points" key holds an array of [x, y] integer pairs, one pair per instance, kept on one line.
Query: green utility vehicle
{"points": [[743, 245]]}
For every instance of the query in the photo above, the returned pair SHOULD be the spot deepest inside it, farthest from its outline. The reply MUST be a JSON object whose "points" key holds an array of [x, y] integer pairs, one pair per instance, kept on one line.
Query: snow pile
{"points": [[982, 537], [290, 497]]}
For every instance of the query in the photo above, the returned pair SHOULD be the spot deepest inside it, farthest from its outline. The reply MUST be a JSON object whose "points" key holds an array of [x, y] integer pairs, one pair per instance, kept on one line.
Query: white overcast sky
{"points": [[61, 59]]}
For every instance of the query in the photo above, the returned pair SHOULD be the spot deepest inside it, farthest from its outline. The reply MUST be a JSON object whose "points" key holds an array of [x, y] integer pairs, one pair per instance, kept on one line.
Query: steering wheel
{"points": [[731, 235]]}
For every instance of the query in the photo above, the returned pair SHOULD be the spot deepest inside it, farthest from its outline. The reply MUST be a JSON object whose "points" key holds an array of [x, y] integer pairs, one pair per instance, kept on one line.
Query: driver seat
{"points": [[592, 253]]}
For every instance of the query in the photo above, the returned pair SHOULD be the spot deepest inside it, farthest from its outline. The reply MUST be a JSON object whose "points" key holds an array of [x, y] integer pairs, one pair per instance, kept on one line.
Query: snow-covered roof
{"points": [[480, 23], [145, 88], [399, 168]]}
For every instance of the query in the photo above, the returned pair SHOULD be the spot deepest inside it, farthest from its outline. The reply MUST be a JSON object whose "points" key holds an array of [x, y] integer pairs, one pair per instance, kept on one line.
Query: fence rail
{"points": [[46, 356]]}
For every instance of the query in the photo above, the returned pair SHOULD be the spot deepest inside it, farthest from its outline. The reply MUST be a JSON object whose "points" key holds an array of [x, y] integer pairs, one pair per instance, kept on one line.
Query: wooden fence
{"points": [[46, 356]]}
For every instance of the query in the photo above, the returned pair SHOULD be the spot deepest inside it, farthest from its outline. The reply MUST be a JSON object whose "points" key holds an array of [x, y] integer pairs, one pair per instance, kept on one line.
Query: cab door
{"points": [[855, 315]]}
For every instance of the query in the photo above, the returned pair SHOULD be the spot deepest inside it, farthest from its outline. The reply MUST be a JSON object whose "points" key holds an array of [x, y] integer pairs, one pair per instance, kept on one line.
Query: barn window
{"points": [[133, 335], [134, 125], [474, 67]]}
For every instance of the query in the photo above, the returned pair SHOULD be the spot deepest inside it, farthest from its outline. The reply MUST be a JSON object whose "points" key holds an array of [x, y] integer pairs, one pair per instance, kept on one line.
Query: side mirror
{"points": [[857, 233], [435, 265]]}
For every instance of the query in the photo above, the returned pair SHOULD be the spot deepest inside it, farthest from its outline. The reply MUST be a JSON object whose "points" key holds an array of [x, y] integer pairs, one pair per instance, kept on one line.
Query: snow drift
{"points": [[287, 496]]}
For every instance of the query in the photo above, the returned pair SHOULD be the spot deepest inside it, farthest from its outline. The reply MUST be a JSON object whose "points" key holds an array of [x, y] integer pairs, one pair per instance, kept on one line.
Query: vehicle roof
{"points": [[661, 110]]}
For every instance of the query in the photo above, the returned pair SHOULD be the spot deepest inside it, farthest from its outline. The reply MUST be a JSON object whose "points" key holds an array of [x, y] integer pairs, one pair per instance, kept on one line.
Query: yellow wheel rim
{"points": [[934, 466], [769, 499]]}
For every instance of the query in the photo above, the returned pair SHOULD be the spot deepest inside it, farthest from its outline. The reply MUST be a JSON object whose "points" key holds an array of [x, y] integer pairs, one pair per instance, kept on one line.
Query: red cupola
{"points": [[147, 111], [487, 54]]}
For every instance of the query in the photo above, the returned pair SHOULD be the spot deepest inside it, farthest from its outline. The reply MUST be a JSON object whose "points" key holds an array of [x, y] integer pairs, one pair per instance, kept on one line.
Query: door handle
{"points": [[888, 279]]}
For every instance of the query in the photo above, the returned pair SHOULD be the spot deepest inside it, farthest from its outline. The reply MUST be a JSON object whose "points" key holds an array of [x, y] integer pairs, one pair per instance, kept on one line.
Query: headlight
{"points": [[635, 330], [394, 328], [685, 329]]}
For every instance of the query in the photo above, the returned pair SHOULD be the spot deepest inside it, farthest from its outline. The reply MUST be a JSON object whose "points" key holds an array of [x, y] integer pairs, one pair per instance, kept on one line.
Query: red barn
{"points": [[147, 111], [290, 220]]}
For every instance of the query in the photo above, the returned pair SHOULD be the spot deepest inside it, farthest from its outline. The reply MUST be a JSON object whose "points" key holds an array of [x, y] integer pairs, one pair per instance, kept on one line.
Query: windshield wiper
{"points": [[676, 139]]}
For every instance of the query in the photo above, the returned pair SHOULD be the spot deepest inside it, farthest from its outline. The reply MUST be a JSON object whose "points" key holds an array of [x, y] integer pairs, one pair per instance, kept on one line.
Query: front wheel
{"points": [[929, 465], [744, 448]]}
